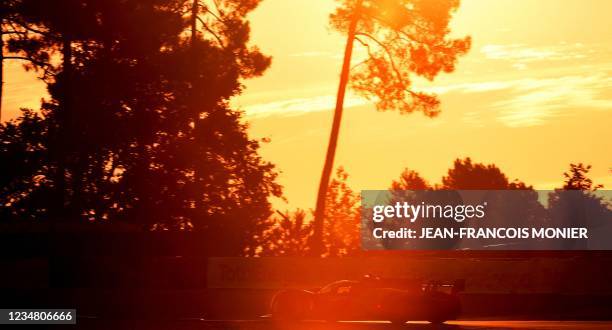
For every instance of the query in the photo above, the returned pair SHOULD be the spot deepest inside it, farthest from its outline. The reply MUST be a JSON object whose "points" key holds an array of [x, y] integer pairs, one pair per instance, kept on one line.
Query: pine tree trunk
{"points": [[317, 245], [63, 130], [194, 22], [197, 174]]}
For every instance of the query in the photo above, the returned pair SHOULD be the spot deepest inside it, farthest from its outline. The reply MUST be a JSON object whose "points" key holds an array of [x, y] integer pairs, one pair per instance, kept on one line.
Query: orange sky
{"points": [[533, 95]]}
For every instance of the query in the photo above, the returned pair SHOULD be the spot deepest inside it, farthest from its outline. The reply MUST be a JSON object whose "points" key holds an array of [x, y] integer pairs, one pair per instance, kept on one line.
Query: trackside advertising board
{"points": [[537, 275]]}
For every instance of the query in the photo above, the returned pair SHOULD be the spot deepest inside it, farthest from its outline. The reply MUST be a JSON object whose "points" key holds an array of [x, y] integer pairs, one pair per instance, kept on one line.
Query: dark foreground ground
{"points": [[193, 324]]}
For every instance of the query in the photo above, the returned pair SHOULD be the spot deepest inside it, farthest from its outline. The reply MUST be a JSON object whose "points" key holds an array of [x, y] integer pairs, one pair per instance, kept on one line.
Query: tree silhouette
{"points": [[410, 180], [17, 38], [23, 188], [401, 37], [292, 233], [288, 235], [217, 27], [69, 28], [138, 128], [577, 178], [576, 204], [465, 175], [342, 217]]}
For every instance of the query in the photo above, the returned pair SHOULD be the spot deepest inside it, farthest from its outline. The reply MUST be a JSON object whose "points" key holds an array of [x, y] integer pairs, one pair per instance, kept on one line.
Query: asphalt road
{"points": [[195, 324]]}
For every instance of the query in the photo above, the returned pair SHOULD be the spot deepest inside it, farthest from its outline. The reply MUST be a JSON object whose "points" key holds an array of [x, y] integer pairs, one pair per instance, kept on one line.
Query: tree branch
{"points": [[34, 30], [211, 31], [218, 17], [387, 51], [13, 32], [24, 58], [398, 31], [369, 53]]}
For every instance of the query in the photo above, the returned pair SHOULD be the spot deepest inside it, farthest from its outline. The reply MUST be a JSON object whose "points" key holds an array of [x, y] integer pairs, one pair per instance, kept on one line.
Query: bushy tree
{"points": [[577, 178], [467, 175], [291, 233], [138, 126], [342, 217], [288, 235], [577, 204], [24, 190], [410, 180]]}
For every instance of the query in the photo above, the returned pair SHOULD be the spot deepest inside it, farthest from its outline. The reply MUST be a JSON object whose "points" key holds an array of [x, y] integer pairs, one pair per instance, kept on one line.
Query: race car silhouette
{"points": [[370, 299]]}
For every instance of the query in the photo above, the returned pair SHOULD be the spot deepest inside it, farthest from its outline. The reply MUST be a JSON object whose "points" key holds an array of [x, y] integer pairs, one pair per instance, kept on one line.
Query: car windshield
{"points": [[334, 285]]}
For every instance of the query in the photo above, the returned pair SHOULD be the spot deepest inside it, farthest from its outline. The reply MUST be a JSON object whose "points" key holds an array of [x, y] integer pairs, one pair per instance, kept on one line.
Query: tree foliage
{"points": [[23, 153], [577, 178], [288, 235], [402, 38], [410, 180], [342, 217], [292, 232], [138, 127], [467, 175], [577, 202]]}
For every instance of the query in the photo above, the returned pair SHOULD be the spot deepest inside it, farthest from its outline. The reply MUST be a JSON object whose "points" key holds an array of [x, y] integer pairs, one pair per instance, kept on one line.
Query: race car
{"points": [[370, 299]]}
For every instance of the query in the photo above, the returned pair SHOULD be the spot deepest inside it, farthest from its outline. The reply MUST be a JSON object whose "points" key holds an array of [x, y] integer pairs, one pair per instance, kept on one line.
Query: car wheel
{"points": [[291, 307]]}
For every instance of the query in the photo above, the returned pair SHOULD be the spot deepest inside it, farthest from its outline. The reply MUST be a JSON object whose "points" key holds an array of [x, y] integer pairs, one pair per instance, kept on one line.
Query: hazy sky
{"points": [[533, 95]]}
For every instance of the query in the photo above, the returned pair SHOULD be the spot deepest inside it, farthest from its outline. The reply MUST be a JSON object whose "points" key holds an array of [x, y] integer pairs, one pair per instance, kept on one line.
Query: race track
{"points": [[195, 324]]}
